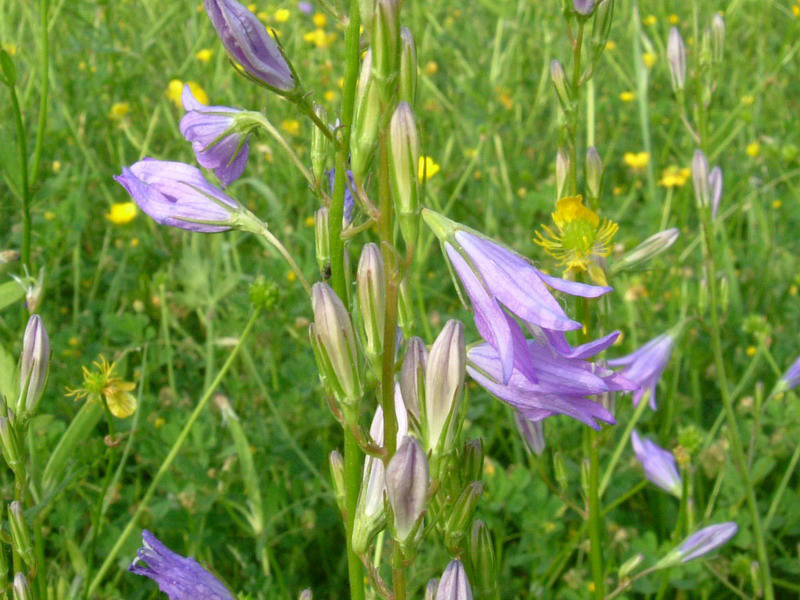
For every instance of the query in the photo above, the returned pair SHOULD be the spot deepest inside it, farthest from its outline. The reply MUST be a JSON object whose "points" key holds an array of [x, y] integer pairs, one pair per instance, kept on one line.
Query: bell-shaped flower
{"points": [[249, 45], [216, 143], [645, 365], [180, 578], [531, 432], [791, 378], [177, 194], [454, 584], [407, 481], [658, 464], [497, 279], [698, 544]]}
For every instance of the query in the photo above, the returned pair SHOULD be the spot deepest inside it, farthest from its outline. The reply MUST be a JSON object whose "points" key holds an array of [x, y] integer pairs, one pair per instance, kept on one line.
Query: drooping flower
{"points": [[249, 44], [531, 432], [658, 464], [581, 238], [707, 539], [177, 194], [180, 578], [791, 378], [215, 144], [583, 7], [645, 365], [454, 584], [102, 384]]}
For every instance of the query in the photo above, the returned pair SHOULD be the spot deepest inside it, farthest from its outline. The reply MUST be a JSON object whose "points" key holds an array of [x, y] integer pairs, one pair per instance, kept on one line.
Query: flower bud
{"points": [[371, 291], [472, 460], [583, 8], [306, 594], [405, 309], [407, 481], [386, 46], [647, 250], [531, 432], [559, 78], [403, 166], [700, 179], [717, 38], [601, 27], [407, 91], [484, 565], [412, 375], [322, 241], [562, 171], [430, 589], [334, 345], [454, 584], [630, 565], [20, 537], [444, 381], [34, 363], [320, 144], [461, 515], [365, 121], [676, 55], [594, 173], [366, 9], [715, 183], [9, 444], [337, 477], [560, 471], [21, 588]]}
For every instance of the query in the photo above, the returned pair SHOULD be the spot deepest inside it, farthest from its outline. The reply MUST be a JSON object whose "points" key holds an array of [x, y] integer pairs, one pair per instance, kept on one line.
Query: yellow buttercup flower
{"points": [[674, 176], [753, 149], [10, 48], [320, 38], [282, 15], [175, 90], [426, 168], [580, 238], [119, 110], [650, 20], [636, 160], [122, 213], [101, 384], [796, 10], [204, 55], [649, 59], [319, 20], [431, 67], [627, 96], [329, 95], [611, 45], [291, 126]]}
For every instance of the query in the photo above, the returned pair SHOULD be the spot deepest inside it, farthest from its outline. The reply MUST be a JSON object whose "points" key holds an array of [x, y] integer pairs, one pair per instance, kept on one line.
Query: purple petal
{"points": [[573, 288], [706, 540]]}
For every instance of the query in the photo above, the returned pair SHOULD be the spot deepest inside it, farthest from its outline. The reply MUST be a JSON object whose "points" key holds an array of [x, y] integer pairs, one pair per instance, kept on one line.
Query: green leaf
{"points": [[8, 375], [10, 292], [8, 68]]}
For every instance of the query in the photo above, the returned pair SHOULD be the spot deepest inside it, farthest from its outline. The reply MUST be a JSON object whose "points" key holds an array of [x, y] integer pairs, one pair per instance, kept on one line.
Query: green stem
{"points": [[595, 524], [45, 88], [276, 243], [170, 458], [287, 147], [623, 442], [776, 500], [573, 127], [641, 99], [25, 191], [398, 574]]}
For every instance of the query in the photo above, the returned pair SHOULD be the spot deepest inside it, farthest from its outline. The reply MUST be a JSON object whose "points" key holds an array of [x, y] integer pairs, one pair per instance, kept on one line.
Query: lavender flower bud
{"points": [[365, 121], [430, 589], [20, 537], [9, 444], [647, 250], [699, 543], [21, 588], [407, 481], [319, 144], [408, 67], [594, 173], [676, 55], [403, 166], [249, 44], [337, 477], [472, 460], [34, 363], [531, 432], [306, 594], [583, 7], [562, 171], [412, 375], [444, 381], [322, 242], [386, 45], [700, 179], [658, 464], [461, 515], [454, 584], [715, 183], [371, 292], [559, 78], [717, 38], [334, 345], [484, 565]]}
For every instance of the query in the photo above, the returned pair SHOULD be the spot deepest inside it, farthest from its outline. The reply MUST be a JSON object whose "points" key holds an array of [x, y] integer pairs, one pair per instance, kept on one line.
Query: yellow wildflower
{"points": [[175, 90], [102, 384], [650, 20], [636, 160], [747, 100], [674, 176], [796, 10], [291, 276], [753, 149], [310, 221], [329, 96], [674, 19], [204, 55], [427, 168], [262, 16], [291, 126], [751, 351], [506, 100], [581, 237], [776, 204], [56, 166], [119, 110], [320, 38], [627, 96], [252, 7], [319, 20], [49, 215], [122, 213], [649, 59], [431, 67], [10, 48], [282, 15], [611, 45]]}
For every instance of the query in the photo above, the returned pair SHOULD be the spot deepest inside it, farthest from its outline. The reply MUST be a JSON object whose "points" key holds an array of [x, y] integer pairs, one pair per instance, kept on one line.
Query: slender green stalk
{"points": [[44, 57], [623, 443], [776, 499], [398, 573], [276, 243], [287, 147], [25, 191], [595, 518], [641, 99], [573, 119], [170, 458]]}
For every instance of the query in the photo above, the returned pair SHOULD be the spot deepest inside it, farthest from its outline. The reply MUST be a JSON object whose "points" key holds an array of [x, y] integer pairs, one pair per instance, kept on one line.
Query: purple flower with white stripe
{"points": [[216, 145], [177, 194], [645, 365], [658, 464], [180, 578]]}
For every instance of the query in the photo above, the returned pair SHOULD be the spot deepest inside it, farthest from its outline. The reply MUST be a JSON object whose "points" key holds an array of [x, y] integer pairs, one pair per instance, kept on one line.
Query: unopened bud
{"points": [[676, 55], [647, 250], [306, 594], [412, 375], [405, 309], [472, 460], [717, 38], [21, 588], [386, 45], [583, 7], [407, 481], [484, 567], [403, 166], [461, 515], [700, 179], [20, 537], [444, 382], [322, 241], [430, 589], [594, 173], [34, 363], [559, 78], [371, 291], [601, 27], [454, 584], [715, 185], [365, 121], [408, 67], [560, 471], [531, 432], [319, 144], [562, 172], [336, 463], [9, 444], [366, 9], [334, 345], [630, 565]]}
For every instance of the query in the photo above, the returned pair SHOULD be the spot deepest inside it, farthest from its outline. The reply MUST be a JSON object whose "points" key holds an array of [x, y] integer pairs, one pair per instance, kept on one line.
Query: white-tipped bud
{"points": [[371, 292], [365, 122], [676, 55], [484, 564], [319, 144], [405, 309], [562, 172], [630, 565], [559, 78], [454, 584], [647, 250], [336, 463], [386, 46], [322, 243], [306, 594], [407, 481], [408, 67], [700, 179], [403, 166], [594, 173], [412, 375], [20, 537], [34, 363], [715, 184], [430, 589], [21, 588], [444, 382], [717, 38]]}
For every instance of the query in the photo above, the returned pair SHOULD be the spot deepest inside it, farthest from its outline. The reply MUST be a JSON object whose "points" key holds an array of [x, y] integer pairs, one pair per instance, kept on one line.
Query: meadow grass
{"points": [[169, 307]]}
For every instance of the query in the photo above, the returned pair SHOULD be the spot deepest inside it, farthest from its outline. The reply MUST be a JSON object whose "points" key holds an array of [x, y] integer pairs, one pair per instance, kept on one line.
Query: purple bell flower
{"points": [[658, 464], [248, 43], [791, 378], [454, 584], [707, 539], [645, 365], [177, 194], [207, 127], [349, 201], [180, 578]]}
